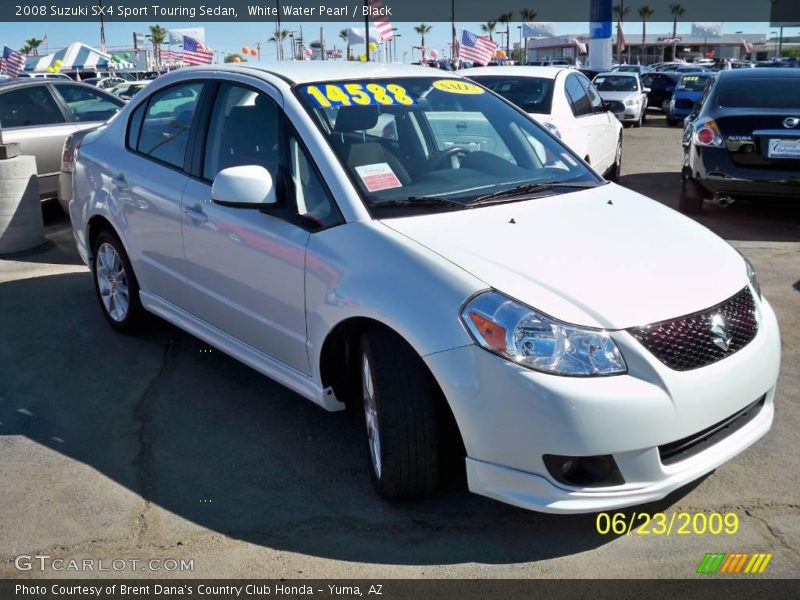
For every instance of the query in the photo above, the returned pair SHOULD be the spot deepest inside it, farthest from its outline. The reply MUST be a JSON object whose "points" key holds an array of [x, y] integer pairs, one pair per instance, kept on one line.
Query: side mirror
{"points": [[248, 186], [646, 90]]}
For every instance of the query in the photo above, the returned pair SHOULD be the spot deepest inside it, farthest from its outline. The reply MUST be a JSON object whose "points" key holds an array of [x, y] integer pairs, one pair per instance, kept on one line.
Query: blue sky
{"points": [[229, 37]]}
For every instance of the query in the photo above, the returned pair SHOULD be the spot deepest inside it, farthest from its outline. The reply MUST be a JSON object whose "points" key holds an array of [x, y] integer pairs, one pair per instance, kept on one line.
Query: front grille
{"points": [[684, 103], [688, 342], [695, 444]]}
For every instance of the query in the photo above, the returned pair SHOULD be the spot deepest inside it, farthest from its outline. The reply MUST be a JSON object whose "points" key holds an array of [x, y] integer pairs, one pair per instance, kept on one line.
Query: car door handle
{"points": [[196, 214], [120, 182]]}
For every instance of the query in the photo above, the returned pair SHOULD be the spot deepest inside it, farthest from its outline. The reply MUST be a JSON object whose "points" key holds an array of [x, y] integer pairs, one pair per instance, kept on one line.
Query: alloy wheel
{"points": [[371, 415], [112, 282]]}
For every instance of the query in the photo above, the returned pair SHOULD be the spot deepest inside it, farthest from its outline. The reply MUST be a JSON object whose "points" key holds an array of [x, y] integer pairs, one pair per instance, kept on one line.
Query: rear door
{"points": [[31, 116], [591, 133]]}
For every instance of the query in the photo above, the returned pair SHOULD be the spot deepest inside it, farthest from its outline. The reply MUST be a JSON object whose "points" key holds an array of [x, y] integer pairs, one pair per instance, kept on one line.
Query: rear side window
{"points": [[581, 105], [760, 92], [87, 104], [29, 107], [595, 100], [164, 129]]}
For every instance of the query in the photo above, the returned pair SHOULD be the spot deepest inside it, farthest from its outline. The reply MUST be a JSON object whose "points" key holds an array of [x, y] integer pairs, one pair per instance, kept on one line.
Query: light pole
{"points": [[394, 47], [521, 51]]}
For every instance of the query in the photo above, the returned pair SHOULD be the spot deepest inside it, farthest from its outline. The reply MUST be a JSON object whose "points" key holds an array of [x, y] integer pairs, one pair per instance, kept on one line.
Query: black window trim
{"points": [[183, 169]]}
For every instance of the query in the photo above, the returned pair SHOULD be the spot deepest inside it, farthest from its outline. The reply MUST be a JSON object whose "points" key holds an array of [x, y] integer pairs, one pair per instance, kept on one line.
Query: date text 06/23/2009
{"points": [[664, 524]]}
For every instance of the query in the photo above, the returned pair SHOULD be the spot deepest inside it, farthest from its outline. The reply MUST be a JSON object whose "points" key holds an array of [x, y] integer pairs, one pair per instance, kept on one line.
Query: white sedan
{"points": [[626, 88], [567, 104], [389, 238]]}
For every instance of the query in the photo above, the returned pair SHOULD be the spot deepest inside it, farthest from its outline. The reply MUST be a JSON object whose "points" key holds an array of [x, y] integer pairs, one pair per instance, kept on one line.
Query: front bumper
{"points": [[713, 169], [510, 416], [631, 113]]}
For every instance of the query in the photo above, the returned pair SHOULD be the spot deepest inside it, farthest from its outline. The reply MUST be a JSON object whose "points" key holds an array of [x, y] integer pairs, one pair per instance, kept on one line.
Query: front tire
{"points": [[615, 172], [399, 400], [115, 284]]}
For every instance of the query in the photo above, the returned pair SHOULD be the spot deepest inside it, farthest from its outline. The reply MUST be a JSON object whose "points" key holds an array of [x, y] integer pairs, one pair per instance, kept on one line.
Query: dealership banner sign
{"points": [[357, 10]]}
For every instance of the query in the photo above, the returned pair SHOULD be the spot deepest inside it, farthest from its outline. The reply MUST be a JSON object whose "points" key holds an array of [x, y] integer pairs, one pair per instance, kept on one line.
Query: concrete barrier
{"points": [[21, 224]]}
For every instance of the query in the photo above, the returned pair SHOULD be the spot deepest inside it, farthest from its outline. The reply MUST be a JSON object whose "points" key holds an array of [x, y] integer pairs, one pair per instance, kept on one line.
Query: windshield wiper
{"points": [[529, 188], [419, 201]]}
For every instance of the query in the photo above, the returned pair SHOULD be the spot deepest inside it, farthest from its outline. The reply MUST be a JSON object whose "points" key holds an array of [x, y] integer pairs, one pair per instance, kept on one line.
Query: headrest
{"points": [[355, 118]]}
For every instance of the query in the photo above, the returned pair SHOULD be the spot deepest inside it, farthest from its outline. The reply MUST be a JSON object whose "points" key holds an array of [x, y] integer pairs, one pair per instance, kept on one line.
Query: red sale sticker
{"points": [[378, 177]]}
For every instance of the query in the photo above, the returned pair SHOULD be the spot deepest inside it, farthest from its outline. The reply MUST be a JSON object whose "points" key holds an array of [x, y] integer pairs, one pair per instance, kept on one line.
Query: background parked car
{"points": [[661, 86], [40, 113], [104, 83], [626, 88], [128, 89], [743, 140], [688, 90], [23, 75], [638, 69], [567, 104]]}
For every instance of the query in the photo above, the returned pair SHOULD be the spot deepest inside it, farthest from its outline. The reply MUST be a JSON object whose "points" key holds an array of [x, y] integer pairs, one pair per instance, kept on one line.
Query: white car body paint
{"points": [[605, 257]]}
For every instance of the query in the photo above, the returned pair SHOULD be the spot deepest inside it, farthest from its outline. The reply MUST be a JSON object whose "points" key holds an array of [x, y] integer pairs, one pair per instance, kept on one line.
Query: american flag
{"points": [[196, 52], [13, 62], [171, 55], [476, 48], [384, 27]]}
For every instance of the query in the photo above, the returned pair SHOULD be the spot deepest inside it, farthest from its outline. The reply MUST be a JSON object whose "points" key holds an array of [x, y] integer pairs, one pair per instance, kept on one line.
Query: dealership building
{"points": [[657, 47]]}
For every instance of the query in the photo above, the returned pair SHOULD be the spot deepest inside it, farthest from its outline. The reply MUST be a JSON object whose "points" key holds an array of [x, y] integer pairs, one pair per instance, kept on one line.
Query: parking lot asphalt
{"points": [[158, 447]]}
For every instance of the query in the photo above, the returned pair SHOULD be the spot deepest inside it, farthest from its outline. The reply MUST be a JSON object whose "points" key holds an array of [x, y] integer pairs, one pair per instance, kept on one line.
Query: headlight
{"points": [[525, 336], [632, 102], [751, 275], [551, 127]]}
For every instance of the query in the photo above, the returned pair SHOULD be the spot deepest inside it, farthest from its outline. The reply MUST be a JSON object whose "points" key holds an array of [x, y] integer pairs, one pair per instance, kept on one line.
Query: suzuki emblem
{"points": [[790, 122], [723, 340]]}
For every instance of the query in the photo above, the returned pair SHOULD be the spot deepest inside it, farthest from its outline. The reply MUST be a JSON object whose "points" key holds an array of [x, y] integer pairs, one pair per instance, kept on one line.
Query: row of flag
{"points": [[12, 62], [194, 52]]}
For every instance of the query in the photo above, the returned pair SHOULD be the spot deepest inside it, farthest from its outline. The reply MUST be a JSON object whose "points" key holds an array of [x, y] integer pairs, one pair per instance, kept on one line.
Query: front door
{"points": [[245, 266]]}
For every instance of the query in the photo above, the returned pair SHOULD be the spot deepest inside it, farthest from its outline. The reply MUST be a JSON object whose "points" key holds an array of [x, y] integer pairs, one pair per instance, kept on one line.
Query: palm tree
{"points": [[422, 29], [488, 27], [505, 19], [158, 35], [26, 49], [278, 37], [620, 10], [677, 10], [645, 12], [33, 45], [344, 37], [527, 15]]}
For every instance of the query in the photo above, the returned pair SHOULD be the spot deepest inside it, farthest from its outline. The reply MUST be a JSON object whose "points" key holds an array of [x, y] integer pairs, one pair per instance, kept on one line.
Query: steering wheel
{"points": [[449, 153]]}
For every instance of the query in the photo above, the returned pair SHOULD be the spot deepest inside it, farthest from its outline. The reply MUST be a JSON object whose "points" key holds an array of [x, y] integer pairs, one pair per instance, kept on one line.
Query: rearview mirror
{"points": [[248, 186], [614, 106]]}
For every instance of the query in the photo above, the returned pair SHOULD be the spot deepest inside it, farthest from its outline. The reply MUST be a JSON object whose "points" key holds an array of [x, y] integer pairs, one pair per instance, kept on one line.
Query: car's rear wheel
{"points": [[116, 285], [399, 401], [691, 199]]}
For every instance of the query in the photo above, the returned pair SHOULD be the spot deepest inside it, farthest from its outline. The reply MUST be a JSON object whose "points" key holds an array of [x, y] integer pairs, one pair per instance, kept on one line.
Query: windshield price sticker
{"points": [[690, 78], [359, 94], [453, 86], [378, 177]]}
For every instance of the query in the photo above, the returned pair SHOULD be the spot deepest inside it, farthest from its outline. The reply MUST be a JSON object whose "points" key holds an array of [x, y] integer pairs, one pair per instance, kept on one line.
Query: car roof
{"points": [[323, 70], [521, 71], [619, 74], [758, 73]]}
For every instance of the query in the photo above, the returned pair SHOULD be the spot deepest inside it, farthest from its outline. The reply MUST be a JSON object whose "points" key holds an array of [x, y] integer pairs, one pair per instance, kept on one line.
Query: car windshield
{"points": [[429, 140], [616, 83], [692, 83], [760, 92], [531, 94]]}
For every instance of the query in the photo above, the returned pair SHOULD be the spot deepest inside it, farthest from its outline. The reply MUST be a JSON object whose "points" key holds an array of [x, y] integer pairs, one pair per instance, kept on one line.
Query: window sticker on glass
{"points": [[378, 177], [358, 94], [453, 86]]}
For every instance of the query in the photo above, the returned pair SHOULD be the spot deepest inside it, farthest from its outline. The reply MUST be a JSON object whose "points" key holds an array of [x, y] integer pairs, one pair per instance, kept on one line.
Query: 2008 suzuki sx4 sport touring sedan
{"points": [[414, 245]]}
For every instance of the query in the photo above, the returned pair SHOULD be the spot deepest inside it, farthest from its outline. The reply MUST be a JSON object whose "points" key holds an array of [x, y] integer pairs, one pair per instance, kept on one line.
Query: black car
{"points": [[743, 138], [661, 86]]}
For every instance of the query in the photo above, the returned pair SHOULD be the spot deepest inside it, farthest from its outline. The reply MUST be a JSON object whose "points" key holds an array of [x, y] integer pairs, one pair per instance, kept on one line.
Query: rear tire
{"points": [[400, 400], [691, 199], [115, 284]]}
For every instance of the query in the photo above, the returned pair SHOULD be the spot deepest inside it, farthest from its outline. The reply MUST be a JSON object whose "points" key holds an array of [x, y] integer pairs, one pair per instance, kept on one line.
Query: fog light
{"points": [[584, 471]]}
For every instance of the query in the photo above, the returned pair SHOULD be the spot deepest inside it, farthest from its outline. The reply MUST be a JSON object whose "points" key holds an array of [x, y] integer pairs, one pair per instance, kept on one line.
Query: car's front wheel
{"points": [[615, 172], [399, 403], [115, 284]]}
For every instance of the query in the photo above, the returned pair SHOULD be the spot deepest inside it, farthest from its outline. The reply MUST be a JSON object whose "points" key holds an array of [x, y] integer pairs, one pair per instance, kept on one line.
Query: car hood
{"points": [[619, 96], [605, 257]]}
